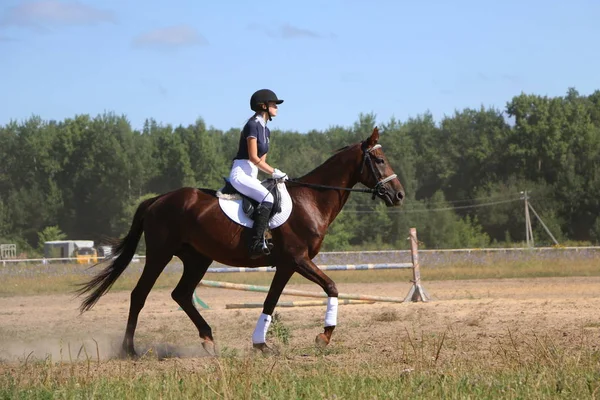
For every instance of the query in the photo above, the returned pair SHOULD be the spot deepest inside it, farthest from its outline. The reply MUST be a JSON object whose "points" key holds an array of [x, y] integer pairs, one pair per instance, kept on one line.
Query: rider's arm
{"points": [[261, 163]]}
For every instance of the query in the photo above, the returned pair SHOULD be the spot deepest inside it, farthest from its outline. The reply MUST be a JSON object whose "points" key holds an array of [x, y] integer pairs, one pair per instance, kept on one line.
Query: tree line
{"points": [[83, 177]]}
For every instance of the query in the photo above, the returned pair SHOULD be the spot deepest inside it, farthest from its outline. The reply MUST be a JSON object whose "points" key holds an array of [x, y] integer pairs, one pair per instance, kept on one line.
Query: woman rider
{"points": [[252, 156]]}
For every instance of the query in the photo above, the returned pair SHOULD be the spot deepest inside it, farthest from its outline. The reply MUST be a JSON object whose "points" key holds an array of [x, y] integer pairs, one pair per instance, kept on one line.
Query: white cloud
{"points": [[511, 78], [155, 86], [45, 13], [495, 77], [170, 37], [287, 31]]}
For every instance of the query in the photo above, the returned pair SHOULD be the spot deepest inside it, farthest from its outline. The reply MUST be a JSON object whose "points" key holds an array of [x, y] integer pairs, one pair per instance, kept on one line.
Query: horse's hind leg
{"points": [[155, 264], [194, 268]]}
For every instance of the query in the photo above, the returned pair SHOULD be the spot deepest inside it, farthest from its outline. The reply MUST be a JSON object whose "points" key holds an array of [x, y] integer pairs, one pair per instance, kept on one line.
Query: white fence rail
{"points": [[368, 257]]}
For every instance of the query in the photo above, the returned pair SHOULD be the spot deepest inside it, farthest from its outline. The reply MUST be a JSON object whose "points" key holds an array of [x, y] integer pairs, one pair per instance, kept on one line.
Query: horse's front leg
{"points": [[281, 278], [310, 271]]}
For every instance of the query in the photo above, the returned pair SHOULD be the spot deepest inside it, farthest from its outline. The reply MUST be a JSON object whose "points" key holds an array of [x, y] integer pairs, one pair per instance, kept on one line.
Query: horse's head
{"points": [[377, 173]]}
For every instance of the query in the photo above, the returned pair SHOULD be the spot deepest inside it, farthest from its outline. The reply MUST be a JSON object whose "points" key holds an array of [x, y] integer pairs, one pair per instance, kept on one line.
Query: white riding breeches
{"points": [[244, 178]]}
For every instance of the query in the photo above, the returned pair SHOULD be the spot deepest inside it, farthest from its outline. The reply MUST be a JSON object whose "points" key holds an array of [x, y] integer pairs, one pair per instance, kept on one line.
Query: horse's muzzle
{"points": [[399, 197], [390, 198]]}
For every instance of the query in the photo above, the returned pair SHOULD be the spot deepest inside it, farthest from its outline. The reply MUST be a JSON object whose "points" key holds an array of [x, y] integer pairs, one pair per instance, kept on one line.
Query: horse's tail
{"points": [[124, 252]]}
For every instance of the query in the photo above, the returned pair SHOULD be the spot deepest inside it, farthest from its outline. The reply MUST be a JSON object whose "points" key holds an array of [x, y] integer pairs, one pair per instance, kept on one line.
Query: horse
{"points": [[188, 223]]}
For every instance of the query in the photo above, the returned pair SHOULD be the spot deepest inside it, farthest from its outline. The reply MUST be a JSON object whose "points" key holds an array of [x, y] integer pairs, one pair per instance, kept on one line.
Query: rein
{"points": [[377, 190], [317, 186]]}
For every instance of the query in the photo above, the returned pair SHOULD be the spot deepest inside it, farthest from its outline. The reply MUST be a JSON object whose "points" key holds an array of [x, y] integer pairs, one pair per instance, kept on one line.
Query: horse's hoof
{"points": [[264, 349], [128, 354], [321, 340], [209, 347]]}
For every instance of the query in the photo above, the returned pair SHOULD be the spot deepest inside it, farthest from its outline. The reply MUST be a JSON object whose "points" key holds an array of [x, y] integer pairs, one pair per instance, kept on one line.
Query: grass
{"points": [[412, 363], [26, 281], [435, 366], [279, 330]]}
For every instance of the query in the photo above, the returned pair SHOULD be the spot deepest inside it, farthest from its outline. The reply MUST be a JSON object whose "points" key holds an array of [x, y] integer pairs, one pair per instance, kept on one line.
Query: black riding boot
{"points": [[261, 220]]}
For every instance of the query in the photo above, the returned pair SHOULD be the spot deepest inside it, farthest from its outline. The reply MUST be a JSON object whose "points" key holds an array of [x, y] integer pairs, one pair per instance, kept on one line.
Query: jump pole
{"points": [[301, 303], [344, 267], [294, 292]]}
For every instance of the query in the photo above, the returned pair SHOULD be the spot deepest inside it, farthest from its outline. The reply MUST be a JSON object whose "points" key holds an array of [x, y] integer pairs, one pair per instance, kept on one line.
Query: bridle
{"points": [[378, 190]]}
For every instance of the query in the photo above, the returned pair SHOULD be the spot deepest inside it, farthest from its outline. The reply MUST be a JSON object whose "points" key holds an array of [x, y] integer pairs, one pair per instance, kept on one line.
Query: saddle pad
{"points": [[233, 209]]}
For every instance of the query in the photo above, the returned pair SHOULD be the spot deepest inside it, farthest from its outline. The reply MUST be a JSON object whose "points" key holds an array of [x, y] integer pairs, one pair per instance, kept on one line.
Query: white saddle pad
{"points": [[232, 207]]}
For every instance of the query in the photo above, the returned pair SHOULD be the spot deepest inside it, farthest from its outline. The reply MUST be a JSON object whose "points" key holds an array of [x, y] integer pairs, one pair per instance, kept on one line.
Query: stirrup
{"points": [[267, 246], [263, 249]]}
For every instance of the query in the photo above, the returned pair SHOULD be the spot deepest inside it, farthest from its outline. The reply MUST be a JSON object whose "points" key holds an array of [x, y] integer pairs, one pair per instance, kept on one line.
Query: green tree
{"points": [[462, 176], [48, 234], [127, 218], [172, 165], [398, 147], [444, 229], [431, 168], [207, 160], [339, 234], [472, 139], [5, 225], [373, 226]]}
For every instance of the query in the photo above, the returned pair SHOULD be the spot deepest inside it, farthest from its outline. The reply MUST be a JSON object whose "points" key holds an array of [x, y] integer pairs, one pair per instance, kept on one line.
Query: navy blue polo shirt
{"points": [[255, 127]]}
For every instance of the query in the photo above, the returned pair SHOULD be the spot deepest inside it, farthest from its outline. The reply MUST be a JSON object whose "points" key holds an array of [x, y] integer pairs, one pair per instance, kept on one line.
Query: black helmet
{"points": [[263, 96]]}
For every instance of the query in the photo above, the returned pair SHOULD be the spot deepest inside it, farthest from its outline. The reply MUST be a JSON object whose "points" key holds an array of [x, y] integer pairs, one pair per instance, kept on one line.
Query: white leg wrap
{"points": [[331, 313], [262, 326]]}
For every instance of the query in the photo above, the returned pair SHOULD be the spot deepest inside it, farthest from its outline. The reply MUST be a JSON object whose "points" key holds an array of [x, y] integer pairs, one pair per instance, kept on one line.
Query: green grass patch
{"points": [[430, 369]]}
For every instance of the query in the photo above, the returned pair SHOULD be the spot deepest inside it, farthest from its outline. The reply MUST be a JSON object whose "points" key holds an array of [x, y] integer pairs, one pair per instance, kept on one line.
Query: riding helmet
{"points": [[263, 96]]}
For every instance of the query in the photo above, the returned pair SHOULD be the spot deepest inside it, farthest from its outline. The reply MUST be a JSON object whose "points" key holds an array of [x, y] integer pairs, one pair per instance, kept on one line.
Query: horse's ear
{"points": [[372, 140]]}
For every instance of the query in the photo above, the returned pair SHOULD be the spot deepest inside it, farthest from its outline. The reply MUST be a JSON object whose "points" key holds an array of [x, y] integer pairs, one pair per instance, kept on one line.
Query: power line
{"points": [[506, 197], [432, 209]]}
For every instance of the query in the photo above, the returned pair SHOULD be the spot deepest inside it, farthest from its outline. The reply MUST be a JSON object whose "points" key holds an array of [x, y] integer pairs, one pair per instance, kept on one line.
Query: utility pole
{"points": [[544, 226], [528, 230]]}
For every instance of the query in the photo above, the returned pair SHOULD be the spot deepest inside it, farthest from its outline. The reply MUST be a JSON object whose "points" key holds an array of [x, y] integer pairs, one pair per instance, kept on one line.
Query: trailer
{"points": [[65, 248]]}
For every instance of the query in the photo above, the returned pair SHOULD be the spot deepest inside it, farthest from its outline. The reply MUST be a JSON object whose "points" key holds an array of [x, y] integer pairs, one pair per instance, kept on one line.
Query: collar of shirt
{"points": [[262, 121]]}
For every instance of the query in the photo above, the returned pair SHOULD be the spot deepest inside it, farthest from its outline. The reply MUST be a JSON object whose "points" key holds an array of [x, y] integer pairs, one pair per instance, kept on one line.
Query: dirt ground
{"points": [[480, 312]]}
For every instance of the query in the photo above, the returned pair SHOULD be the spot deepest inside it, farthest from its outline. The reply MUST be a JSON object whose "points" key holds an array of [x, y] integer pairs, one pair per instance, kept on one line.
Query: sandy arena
{"points": [[481, 312]]}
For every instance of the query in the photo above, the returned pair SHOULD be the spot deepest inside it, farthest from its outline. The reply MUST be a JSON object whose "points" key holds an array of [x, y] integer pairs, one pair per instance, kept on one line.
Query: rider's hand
{"points": [[277, 174]]}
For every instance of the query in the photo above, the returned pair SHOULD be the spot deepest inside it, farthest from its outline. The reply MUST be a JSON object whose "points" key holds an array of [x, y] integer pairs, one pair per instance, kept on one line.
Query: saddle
{"points": [[249, 205]]}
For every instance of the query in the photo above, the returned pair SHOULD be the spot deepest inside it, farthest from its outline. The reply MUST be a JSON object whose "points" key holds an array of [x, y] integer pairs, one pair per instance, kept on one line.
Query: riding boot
{"points": [[261, 220]]}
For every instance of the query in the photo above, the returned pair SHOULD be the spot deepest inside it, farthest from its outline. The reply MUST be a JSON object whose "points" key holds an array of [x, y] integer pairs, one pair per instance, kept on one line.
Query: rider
{"points": [[252, 156]]}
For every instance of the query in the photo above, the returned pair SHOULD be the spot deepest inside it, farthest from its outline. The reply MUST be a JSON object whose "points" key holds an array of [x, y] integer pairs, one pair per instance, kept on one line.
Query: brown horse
{"points": [[189, 224]]}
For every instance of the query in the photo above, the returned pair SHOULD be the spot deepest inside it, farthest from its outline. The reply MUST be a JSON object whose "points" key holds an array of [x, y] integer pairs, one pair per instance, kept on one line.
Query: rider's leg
{"points": [[243, 178], [261, 220]]}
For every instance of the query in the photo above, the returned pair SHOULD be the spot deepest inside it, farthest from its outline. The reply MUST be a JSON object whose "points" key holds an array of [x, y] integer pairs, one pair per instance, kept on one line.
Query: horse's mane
{"points": [[342, 148], [330, 159]]}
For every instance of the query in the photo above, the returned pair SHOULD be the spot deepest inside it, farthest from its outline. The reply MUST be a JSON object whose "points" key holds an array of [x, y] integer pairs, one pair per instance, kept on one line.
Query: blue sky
{"points": [[179, 60]]}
